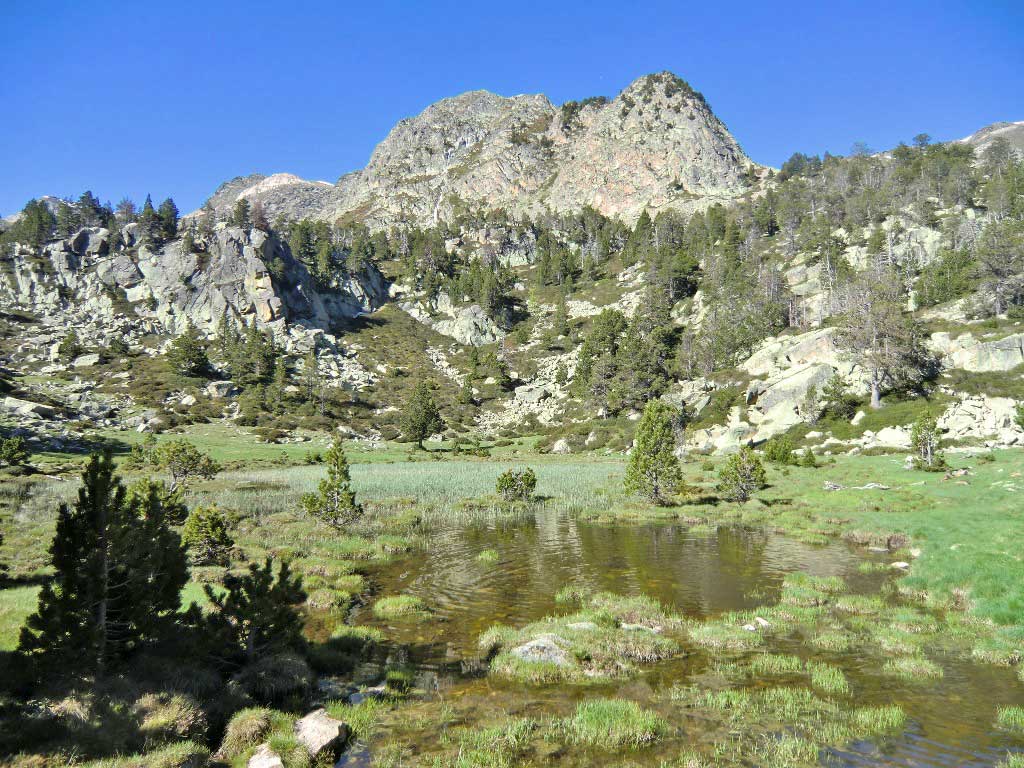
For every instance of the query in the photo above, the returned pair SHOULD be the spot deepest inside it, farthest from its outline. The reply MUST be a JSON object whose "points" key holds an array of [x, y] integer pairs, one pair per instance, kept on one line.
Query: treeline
{"points": [[39, 222]]}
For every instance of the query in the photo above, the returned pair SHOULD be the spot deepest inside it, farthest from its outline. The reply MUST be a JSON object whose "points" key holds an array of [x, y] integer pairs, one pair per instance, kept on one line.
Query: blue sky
{"points": [[172, 98]]}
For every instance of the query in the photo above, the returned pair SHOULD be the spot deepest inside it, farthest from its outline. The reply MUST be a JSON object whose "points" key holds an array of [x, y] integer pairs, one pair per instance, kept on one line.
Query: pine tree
{"points": [[70, 347], [924, 441], [149, 221], [741, 475], [255, 613], [183, 462], [241, 216], [334, 503], [119, 571], [187, 355], [168, 216], [421, 418], [653, 470], [206, 537]]}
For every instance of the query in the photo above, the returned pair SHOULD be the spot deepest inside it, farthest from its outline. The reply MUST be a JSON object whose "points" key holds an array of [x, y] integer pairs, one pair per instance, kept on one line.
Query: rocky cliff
{"points": [[656, 145]]}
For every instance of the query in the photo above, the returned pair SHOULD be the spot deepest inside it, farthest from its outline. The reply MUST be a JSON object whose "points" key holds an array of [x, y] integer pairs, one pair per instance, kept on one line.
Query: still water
{"points": [[696, 571]]}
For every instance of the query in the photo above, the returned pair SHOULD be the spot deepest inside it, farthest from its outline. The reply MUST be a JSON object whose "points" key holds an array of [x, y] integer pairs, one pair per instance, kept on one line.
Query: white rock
{"points": [[320, 733], [264, 757]]}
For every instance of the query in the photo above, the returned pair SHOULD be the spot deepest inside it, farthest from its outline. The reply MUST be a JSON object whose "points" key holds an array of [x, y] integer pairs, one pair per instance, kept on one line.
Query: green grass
{"points": [[613, 723], [401, 607], [1011, 719], [16, 604], [911, 668], [488, 557]]}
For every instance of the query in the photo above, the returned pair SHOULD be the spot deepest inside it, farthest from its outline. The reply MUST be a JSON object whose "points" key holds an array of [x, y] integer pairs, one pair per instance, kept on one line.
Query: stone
{"points": [[828, 485], [547, 648], [892, 437], [188, 400], [972, 354], [858, 417], [264, 757], [86, 361], [28, 408], [321, 734], [561, 446], [221, 389], [900, 565]]}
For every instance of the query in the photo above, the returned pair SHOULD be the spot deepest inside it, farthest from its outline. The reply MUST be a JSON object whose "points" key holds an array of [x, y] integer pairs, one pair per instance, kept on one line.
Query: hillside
{"points": [[546, 270]]}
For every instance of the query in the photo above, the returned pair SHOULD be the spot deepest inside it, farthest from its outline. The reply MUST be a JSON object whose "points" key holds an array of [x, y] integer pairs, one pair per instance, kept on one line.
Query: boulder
{"points": [[221, 389], [321, 734], [85, 361], [28, 408], [561, 446], [972, 354], [980, 416], [264, 757], [891, 437], [188, 400], [546, 648]]}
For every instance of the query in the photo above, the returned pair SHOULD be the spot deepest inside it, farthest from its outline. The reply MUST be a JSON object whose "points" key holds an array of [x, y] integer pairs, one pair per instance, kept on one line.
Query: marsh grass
{"points": [[912, 668], [613, 723], [407, 607], [1011, 719]]}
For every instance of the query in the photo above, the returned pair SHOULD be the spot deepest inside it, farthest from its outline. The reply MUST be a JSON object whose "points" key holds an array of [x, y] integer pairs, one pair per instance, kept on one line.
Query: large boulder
{"points": [[321, 734], [778, 354], [27, 408], [972, 354]]}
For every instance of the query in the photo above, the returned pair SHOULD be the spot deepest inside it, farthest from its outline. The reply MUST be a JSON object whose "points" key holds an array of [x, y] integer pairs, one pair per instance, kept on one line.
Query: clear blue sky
{"points": [[172, 98]]}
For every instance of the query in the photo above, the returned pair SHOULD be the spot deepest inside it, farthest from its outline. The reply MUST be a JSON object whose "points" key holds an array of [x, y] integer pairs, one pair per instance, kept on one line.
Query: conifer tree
{"points": [[149, 221], [334, 503], [421, 418], [240, 215], [206, 537], [653, 470], [742, 474], [168, 216], [119, 571], [255, 613], [187, 355]]}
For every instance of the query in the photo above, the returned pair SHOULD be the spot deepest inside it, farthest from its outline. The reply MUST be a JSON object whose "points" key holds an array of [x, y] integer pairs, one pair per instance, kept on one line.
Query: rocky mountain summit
{"points": [[656, 145]]}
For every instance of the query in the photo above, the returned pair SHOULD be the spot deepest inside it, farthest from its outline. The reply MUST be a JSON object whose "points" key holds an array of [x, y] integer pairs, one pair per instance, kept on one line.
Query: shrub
{"points": [[808, 459], [206, 537], [924, 441], [334, 502], [13, 451], [780, 450], [516, 485], [742, 474], [184, 462]]}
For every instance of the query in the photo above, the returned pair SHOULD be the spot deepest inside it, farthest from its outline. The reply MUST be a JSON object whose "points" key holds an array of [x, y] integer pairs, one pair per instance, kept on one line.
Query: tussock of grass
{"points": [[613, 723], [776, 664], [832, 640], [246, 729], [725, 637], [401, 607], [912, 668], [1011, 719], [488, 557], [828, 678], [873, 721]]}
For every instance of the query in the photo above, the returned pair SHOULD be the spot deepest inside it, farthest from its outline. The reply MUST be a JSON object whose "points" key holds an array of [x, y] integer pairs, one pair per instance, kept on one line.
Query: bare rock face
{"points": [[321, 734], [656, 145]]}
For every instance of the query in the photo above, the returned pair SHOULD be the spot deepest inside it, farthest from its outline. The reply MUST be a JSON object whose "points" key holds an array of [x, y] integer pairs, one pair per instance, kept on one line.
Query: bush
{"points": [[13, 451], [516, 485], [206, 537], [808, 459], [742, 474], [924, 441], [780, 450]]}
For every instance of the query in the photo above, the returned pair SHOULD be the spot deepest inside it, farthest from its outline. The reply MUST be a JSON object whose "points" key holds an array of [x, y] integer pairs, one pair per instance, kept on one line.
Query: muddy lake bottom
{"points": [[697, 572]]}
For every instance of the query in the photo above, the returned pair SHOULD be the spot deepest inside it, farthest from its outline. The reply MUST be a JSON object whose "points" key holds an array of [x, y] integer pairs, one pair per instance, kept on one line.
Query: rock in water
{"points": [[547, 648], [321, 734]]}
